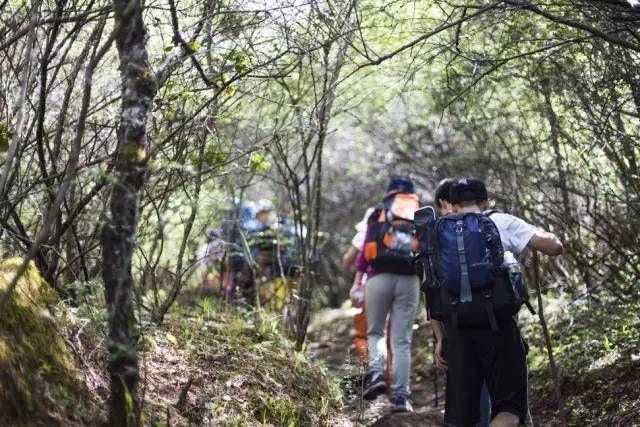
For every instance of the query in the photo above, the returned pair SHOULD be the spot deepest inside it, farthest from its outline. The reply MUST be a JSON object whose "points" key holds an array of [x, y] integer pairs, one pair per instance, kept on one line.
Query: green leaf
{"points": [[134, 153], [213, 156], [172, 339], [258, 163], [242, 61], [194, 45], [219, 82]]}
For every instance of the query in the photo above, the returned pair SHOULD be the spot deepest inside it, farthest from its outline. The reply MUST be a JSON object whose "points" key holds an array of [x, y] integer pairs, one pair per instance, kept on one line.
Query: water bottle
{"points": [[358, 297], [515, 274]]}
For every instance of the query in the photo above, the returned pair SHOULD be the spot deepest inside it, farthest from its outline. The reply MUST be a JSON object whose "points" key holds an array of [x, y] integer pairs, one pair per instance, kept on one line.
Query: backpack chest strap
{"points": [[465, 285]]}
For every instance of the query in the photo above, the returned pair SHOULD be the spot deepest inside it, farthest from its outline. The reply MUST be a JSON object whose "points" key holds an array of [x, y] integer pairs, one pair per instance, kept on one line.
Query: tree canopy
{"points": [[128, 128]]}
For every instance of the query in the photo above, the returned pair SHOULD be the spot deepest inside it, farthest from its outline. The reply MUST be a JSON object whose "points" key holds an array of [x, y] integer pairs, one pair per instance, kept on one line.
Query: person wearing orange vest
{"points": [[392, 289]]}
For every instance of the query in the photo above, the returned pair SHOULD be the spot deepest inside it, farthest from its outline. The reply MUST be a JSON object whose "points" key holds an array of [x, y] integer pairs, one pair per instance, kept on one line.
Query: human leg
{"points": [[485, 406], [405, 304], [464, 377], [505, 367], [505, 419], [389, 359], [378, 299]]}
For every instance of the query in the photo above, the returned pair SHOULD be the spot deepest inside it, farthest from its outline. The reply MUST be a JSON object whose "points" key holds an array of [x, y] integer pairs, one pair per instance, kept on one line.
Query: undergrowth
{"points": [[40, 384], [597, 349], [241, 372]]}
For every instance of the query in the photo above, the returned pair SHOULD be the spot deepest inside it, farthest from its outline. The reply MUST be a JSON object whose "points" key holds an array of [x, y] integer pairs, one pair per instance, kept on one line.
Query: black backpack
{"points": [[391, 243]]}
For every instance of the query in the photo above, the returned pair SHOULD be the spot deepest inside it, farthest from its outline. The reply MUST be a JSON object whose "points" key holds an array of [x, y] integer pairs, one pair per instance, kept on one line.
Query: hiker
{"points": [[444, 207], [357, 300], [273, 247], [208, 255], [237, 276], [260, 241], [357, 292], [263, 219], [284, 264], [386, 257], [475, 288]]}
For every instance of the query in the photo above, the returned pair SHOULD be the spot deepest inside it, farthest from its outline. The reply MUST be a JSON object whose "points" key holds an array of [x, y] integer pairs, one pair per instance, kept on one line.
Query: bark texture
{"points": [[119, 232]]}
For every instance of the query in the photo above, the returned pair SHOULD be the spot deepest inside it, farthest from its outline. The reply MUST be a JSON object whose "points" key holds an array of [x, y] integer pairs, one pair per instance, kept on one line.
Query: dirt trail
{"points": [[330, 341]]}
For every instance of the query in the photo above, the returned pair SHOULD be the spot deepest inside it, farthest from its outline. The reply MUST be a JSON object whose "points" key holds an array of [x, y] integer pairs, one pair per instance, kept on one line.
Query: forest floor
{"points": [[594, 396], [223, 369], [210, 364], [331, 342]]}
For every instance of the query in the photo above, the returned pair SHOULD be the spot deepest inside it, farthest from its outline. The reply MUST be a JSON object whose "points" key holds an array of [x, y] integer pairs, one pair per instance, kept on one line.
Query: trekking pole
{"points": [[435, 368], [361, 392], [435, 375]]}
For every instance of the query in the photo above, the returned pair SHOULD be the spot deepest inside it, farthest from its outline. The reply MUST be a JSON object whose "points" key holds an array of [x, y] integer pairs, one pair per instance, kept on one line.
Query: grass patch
{"points": [[240, 373], [597, 347]]}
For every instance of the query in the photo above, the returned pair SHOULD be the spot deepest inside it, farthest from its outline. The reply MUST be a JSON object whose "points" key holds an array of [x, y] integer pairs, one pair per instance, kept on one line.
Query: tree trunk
{"points": [[119, 232]]}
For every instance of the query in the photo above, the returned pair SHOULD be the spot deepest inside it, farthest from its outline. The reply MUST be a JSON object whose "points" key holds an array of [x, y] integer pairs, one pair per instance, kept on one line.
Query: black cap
{"points": [[443, 190], [468, 189]]}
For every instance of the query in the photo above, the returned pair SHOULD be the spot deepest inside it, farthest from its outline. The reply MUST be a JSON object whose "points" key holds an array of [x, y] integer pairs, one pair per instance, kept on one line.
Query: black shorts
{"points": [[478, 354]]}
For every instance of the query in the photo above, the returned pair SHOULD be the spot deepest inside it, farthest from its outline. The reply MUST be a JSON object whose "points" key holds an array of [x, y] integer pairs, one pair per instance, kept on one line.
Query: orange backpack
{"points": [[391, 239]]}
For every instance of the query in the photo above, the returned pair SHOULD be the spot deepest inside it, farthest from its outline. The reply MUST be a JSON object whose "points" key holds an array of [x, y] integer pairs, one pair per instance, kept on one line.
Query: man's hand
{"points": [[438, 359], [357, 294], [547, 243]]}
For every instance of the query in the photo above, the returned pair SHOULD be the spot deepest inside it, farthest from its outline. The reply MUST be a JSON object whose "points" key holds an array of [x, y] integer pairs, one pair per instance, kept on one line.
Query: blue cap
{"points": [[400, 184]]}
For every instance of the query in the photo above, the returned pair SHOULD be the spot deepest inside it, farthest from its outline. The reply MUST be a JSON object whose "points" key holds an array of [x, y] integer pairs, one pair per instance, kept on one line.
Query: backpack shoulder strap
{"points": [[377, 214], [492, 234]]}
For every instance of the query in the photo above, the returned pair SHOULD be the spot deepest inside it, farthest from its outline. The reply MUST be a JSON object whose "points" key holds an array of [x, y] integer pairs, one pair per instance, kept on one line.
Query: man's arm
{"points": [[357, 280], [349, 257], [438, 358], [436, 326], [356, 300], [545, 242]]}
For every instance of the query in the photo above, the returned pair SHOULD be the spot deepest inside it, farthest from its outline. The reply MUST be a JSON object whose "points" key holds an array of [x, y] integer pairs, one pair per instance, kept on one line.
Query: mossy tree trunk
{"points": [[119, 233]]}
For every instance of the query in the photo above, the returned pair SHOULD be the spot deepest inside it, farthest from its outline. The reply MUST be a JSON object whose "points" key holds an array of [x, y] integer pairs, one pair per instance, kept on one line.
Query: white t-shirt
{"points": [[361, 228], [358, 239], [515, 233], [209, 253]]}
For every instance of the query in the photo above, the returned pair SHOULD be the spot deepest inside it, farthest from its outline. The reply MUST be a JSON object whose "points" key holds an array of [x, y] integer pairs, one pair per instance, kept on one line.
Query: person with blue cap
{"points": [[392, 290]]}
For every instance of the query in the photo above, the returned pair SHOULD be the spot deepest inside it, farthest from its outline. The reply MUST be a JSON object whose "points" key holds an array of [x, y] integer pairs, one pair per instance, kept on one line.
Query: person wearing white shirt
{"points": [[444, 207], [477, 354]]}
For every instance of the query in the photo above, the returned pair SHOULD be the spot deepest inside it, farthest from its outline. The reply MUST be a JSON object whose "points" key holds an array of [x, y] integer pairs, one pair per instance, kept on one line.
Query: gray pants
{"points": [[396, 294]]}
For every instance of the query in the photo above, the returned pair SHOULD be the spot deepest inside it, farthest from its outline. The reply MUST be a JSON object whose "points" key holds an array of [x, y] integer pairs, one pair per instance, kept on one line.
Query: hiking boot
{"points": [[374, 386], [401, 404]]}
